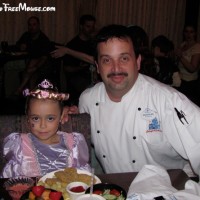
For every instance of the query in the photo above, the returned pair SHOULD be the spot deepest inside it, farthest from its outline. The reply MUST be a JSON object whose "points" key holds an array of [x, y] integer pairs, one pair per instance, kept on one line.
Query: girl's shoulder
{"points": [[13, 136], [16, 138], [197, 46], [71, 139], [72, 136], [67, 133], [12, 142], [194, 48]]}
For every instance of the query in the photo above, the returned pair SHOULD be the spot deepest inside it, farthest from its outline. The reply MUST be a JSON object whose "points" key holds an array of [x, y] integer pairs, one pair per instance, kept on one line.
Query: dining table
{"points": [[178, 179]]}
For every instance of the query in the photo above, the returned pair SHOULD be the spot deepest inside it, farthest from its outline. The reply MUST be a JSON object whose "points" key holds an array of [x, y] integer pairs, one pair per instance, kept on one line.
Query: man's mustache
{"points": [[117, 74]]}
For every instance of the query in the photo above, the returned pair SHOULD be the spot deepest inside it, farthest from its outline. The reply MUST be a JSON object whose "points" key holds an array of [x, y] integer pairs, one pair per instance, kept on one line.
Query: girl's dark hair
{"points": [[163, 43]]}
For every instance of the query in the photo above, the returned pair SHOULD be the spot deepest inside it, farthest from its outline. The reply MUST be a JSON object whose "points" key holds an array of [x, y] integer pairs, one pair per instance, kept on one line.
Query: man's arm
{"points": [[61, 51]]}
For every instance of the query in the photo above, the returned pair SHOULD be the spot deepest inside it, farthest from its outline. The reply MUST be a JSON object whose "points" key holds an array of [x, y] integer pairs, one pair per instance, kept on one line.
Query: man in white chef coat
{"points": [[136, 120]]}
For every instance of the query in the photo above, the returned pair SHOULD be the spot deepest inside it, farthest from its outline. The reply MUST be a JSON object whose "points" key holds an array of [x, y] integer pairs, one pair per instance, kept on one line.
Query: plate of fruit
{"points": [[39, 192]]}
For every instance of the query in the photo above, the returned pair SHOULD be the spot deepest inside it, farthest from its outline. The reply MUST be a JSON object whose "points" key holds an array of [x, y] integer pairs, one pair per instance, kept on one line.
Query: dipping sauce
{"points": [[16, 191], [77, 189]]}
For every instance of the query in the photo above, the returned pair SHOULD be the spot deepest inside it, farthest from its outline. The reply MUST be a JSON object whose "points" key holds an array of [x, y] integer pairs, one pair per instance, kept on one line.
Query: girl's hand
{"points": [[68, 110]]}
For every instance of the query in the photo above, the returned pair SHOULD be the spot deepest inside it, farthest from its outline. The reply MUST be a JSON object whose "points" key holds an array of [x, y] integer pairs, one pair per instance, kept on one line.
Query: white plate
{"points": [[51, 175]]}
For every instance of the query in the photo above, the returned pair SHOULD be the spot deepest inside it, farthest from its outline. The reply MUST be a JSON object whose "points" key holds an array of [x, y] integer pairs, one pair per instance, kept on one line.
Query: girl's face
{"points": [[189, 33], [43, 119]]}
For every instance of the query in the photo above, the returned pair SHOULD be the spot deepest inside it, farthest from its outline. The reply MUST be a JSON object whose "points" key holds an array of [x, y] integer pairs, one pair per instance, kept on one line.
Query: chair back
{"points": [[18, 123]]}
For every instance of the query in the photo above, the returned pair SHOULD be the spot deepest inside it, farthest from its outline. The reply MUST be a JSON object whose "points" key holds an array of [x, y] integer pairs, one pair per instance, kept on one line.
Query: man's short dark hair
{"points": [[112, 31], [34, 17], [85, 18]]}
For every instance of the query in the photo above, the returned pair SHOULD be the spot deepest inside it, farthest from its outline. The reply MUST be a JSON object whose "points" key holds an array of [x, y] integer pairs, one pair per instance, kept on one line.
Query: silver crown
{"points": [[45, 84]]}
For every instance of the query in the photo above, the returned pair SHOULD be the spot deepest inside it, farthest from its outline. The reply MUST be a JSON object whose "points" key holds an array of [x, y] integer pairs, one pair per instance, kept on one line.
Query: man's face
{"points": [[118, 66], [88, 28], [33, 26]]}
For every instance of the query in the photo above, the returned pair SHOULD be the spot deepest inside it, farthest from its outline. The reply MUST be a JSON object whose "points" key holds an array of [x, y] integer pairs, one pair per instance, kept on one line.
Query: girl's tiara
{"points": [[46, 90]]}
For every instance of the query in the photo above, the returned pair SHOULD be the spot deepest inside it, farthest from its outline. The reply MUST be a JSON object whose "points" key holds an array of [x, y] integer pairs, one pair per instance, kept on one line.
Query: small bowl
{"points": [[90, 197], [74, 191], [106, 186], [16, 187]]}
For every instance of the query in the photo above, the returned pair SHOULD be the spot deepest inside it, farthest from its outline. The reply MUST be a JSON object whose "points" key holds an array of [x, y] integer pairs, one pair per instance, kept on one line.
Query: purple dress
{"points": [[27, 156]]}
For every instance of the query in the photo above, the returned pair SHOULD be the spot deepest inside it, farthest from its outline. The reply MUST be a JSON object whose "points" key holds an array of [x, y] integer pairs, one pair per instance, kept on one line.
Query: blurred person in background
{"points": [[77, 68], [37, 45], [141, 45], [166, 69], [188, 55]]}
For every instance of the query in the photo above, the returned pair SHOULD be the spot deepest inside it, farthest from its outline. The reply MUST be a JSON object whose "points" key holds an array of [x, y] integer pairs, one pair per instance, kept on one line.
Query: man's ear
{"points": [[97, 66], [138, 61]]}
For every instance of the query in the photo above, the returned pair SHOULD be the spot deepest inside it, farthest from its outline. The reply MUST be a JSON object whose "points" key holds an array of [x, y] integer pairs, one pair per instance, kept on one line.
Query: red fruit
{"points": [[115, 192], [55, 195], [38, 190], [98, 192]]}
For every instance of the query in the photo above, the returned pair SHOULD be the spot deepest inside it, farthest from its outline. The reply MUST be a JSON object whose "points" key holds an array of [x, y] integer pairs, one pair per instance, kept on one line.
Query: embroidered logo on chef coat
{"points": [[152, 118]]}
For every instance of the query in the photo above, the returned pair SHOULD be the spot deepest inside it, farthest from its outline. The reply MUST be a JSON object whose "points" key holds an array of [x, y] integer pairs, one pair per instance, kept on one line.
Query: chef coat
{"points": [[144, 127]]}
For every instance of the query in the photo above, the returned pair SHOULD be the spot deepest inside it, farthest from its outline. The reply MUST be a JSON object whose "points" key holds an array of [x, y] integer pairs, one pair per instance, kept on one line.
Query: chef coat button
{"points": [[104, 156], [134, 137], [133, 161], [97, 104], [139, 109], [98, 131]]}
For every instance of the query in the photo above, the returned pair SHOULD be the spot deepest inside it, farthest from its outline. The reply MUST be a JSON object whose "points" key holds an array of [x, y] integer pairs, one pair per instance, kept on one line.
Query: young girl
{"points": [[44, 148]]}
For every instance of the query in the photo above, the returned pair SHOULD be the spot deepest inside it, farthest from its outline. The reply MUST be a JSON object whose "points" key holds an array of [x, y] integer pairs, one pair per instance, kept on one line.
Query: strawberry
{"points": [[115, 192], [38, 190], [98, 192], [54, 195]]}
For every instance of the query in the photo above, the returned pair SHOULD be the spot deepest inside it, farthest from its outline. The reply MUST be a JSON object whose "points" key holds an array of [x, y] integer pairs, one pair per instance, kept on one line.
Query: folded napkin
{"points": [[154, 181]]}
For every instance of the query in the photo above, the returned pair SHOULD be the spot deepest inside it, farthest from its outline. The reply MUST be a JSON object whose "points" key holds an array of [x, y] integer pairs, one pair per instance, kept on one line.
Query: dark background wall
{"points": [[192, 12]]}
